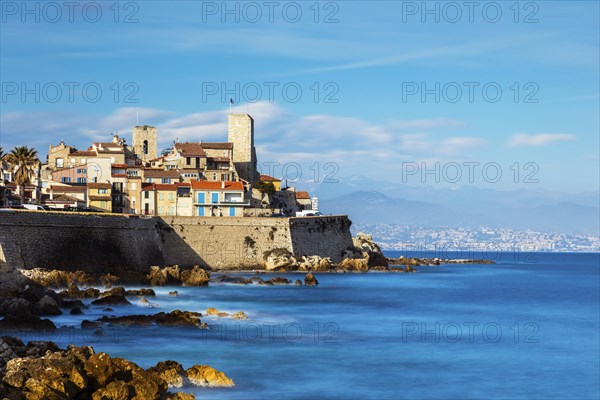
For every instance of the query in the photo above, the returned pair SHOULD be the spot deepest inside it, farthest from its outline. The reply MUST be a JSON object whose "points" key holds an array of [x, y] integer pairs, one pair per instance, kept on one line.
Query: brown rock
{"points": [[204, 375], [171, 372], [239, 315], [195, 277], [116, 390], [310, 280], [111, 299]]}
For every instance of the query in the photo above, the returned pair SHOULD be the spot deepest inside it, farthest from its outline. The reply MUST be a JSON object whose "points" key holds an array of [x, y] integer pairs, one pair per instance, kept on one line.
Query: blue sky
{"points": [[361, 67]]}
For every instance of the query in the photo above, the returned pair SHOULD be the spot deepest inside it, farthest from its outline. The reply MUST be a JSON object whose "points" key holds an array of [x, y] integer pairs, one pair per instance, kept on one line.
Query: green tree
{"points": [[264, 187], [25, 161]]}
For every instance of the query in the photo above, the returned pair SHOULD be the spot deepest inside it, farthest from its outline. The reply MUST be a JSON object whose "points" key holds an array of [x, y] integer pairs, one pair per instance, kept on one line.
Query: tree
{"points": [[24, 160], [264, 187]]}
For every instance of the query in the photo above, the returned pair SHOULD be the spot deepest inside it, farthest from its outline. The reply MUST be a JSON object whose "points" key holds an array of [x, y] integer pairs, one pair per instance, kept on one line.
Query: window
{"points": [[215, 198], [161, 196], [161, 210], [82, 161], [188, 160], [214, 177], [133, 186], [201, 198], [102, 191], [232, 211], [171, 210], [81, 180], [146, 194], [73, 161], [171, 196], [145, 147], [65, 179], [60, 162], [166, 180]]}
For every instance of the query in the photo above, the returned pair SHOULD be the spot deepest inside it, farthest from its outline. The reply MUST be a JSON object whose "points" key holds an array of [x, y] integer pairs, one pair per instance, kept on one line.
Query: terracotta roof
{"points": [[161, 173], [188, 149], [119, 175], [105, 197], [158, 158], [267, 178], [217, 145], [117, 151], [68, 188], [302, 195], [206, 185], [83, 153], [119, 165], [62, 197], [98, 185], [163, 186]]}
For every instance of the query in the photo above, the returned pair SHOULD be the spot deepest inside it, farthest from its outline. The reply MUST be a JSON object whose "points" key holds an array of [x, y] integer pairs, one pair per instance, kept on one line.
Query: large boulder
{"points": [[164, 276], [48, 306], [280, 259], [310, 280], [195, 277], [370, 250], [111, 299], [206, 376], [171, 372], [354, 265]]}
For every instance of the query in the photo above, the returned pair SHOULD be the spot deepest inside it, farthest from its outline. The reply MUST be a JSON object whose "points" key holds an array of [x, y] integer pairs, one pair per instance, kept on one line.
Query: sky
{"points": [[492, 94]]}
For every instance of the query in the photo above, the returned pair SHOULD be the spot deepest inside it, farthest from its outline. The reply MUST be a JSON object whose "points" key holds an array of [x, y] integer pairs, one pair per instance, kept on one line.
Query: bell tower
{"points": [[145, 142], [240, 132]]}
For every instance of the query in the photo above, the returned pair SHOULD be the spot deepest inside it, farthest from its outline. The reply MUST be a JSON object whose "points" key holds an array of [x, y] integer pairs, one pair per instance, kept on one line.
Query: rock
{"points": [[111, 300], [195, 277], [178, 396], [171, 372], [57, 278], [86, 324], [354, 265], [278, 280], [173, 318], [280, 259], [74, 292], [108, 280], [164, 276], [18, 307], [38, 348], [206, 376], [239, 315], [140, 292], [144, 301], [298, 282], [72, 304], [116, 390], [310, 280], [76, 311], [234, 279], [48, 306], [174, 293], [212, 311], [31, 322]]}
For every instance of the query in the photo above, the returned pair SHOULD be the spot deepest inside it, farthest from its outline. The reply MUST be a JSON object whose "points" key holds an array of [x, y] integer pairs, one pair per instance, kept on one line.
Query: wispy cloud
{"points": [[539, 139]]}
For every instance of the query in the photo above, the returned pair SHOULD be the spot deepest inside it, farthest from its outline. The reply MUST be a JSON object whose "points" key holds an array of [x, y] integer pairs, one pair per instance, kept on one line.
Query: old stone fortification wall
{"points": [[111, 243]]}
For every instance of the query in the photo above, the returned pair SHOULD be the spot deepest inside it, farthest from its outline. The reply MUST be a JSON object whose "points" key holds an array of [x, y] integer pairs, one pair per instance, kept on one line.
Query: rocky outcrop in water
{"points": [[310, 280], [204, 375], [173, 318], [41, 370], [426, 261], [173, 275]]}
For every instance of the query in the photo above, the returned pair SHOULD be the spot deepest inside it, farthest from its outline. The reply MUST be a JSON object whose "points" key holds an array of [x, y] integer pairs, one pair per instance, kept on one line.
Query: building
{"points": [[145, 142], [241, 134], [218, 199], [276, 182], [304, 201], [167, 199], [156, 175], [99, 196]]}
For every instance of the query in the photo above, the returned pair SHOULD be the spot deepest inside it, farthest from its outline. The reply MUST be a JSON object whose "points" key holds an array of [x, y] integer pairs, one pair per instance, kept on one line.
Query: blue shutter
{"points": [[215, 198], [201, 197], [232, 211], [201, 211]]}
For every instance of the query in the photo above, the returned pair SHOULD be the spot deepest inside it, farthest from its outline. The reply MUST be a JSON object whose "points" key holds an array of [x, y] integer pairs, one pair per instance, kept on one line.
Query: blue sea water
{"points": [[524, 328]]}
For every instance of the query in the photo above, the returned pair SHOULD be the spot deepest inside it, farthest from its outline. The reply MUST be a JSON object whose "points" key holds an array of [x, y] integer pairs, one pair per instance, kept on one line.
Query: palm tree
{"points": [[25, 160]]}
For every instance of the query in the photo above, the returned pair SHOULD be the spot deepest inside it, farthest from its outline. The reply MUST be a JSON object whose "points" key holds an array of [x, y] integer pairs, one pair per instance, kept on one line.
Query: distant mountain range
{"points": [[367, 201]]}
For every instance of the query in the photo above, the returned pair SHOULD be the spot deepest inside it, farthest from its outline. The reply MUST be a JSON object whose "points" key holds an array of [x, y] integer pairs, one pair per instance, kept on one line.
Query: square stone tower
{"points": [[145, 142], [240, 132]]}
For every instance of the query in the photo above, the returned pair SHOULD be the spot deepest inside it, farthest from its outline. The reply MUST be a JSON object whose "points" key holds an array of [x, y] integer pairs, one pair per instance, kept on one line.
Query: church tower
{"points": [[240, 132], [145, 142]]}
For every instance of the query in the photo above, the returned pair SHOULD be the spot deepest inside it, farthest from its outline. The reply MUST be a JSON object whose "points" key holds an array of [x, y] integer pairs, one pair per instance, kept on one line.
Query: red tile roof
{"points": [[98, 185], [83, 153], [218, 159], [206, 185], [188, 149], [101, 197], [164, 186], [302, 195], [267, 178], [68, 188], [217, 145], [160, 173], [119, 165]]}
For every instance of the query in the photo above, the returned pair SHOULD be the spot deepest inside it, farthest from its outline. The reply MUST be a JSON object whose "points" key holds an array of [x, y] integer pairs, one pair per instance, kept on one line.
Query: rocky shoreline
{"points": [[40, 370]]}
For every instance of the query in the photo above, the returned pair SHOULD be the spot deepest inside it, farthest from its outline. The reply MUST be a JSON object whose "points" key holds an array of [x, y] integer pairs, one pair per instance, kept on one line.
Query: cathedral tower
{"points": [[241, 133], [145, 142]]}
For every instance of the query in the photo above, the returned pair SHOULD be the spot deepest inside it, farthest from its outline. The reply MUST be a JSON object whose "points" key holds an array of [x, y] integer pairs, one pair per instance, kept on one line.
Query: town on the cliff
{"points": [[200, 179]]}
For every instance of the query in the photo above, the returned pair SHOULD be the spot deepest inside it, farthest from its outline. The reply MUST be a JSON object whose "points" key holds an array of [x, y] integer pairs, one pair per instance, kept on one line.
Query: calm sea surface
{"points": [[525, 328]]}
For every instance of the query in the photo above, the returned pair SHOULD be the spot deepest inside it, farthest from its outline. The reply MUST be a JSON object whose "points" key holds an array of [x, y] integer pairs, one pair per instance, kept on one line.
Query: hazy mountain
{"points": [[467, 207]]}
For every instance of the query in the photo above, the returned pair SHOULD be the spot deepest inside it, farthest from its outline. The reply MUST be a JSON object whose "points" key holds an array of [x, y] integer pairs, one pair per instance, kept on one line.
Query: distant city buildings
{"points": [[447, 239]]}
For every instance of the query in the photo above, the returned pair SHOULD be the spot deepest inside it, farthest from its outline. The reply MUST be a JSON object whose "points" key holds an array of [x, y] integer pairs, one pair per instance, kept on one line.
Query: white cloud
{"points": [[539, 139], [354, 144]]}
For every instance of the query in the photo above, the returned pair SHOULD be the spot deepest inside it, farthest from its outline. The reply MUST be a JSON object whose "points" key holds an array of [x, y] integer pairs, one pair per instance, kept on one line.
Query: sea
{"points": [[526, 327]]}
